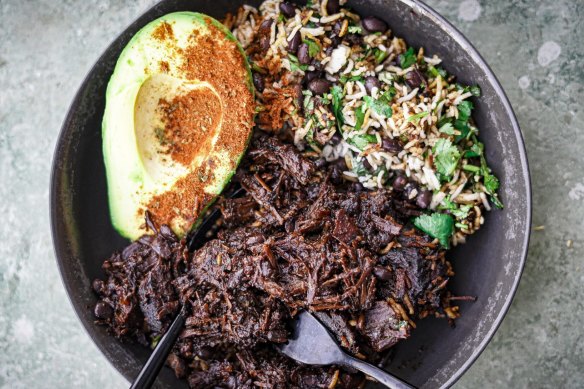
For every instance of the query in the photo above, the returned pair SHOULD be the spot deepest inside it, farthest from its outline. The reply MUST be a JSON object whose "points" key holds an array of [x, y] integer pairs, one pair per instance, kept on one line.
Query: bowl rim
{"points": [[417, 6]]}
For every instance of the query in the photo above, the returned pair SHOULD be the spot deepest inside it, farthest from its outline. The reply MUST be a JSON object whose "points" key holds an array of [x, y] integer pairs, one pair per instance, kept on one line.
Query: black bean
{"points": [[357, 187], [264, 33], [337, 27], [371, 82], [354, 39], [103, 310], [319, 86], [287, 9], [399, 183], [335, 41], [382, 273], [316, 64], [391, 145], [415, 78], [424, 199], [258, 82], [294, 43], [333, 7], [335, 140], [320, 163], [98, 286], [366, 164], [311, 75], [373, 24], [266, 25], [303, 56]]}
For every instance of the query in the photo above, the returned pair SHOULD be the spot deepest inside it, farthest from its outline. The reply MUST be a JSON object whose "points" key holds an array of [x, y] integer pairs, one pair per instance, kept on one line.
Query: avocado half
{"points": [[178, 118]]}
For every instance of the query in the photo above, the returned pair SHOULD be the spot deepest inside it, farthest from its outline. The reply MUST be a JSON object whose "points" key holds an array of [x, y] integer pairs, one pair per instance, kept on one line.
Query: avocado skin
{"points": [[129, 185]]}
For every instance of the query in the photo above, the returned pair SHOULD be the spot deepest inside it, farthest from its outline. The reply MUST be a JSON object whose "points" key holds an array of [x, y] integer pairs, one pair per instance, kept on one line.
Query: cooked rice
{"points": [[418, 112]]}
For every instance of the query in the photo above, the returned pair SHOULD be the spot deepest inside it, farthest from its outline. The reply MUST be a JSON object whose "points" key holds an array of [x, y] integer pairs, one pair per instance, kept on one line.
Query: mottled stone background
{"points": [[536, 49]]}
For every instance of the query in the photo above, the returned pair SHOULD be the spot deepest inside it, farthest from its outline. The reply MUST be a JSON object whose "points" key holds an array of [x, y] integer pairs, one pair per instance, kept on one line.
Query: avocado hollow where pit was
{"points": [[178, 118]]}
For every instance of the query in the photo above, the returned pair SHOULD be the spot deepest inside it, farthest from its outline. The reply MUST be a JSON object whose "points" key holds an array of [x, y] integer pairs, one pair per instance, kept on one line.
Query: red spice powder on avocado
{"points": [[218, 61], [163, 32], [190, 122]]}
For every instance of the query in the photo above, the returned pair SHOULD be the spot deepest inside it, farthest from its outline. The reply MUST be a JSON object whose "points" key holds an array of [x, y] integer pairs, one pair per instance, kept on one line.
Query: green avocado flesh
{"points": [[178, 118]]}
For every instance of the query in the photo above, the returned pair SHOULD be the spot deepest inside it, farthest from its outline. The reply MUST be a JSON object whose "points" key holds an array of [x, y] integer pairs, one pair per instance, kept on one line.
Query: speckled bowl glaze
{"points": [[488, 266]]}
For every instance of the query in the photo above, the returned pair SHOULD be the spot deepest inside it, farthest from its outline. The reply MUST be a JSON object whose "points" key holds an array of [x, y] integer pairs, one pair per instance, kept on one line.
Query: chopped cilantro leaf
{"points": [[475, 90], [471, 168], [446, 157], [313, 47], [362, 141], [380, 107], [295, 65], [408, 58], [281, 18], [437, 71], [360, 116], [388, 95], [447, 129], [337, 93], [346, 78], [358, 167], [443, 120], [446, 203], [380, 55], [462, 212], [437, 225], [418, 116], [311, 141], [476, 150], [355, 29], [464, 110], [491, 183]]}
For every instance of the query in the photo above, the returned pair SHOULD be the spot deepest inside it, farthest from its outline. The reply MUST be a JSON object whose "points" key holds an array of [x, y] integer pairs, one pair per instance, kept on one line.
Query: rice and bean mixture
{"points": [[347, 90]]}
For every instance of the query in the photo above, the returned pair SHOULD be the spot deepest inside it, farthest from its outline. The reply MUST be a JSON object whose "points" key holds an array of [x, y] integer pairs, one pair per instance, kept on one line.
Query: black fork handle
{"points": [[152, 367]]}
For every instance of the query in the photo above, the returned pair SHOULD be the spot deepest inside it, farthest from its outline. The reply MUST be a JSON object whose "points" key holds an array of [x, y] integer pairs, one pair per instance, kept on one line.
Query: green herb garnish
{"points": [[295, 65], [471, 168], [355, 29], [360, 117], [416, 117], [408, 58], [447, 129], [464, 110], [462, 212], [437, 71], [345, 78], [380, 106], [437, 225], [313, 47], [446, 156], [337, 93], [380, 55], [362, 141]]}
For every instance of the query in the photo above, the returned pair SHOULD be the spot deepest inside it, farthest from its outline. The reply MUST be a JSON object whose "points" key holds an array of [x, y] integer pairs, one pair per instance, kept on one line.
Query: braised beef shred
{"points": [[294, 241]]}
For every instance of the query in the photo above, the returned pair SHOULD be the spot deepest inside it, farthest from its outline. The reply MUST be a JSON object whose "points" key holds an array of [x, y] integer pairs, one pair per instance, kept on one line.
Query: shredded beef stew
{"points": [[297, 239]]}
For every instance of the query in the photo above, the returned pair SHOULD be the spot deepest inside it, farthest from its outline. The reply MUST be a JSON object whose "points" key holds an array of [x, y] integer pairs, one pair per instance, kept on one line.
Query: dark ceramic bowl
{"points": [[488, 266]]}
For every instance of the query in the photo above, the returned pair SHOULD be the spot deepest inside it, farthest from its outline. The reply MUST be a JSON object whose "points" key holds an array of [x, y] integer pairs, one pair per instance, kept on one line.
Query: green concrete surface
{"points": [[536, 48]]}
